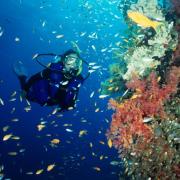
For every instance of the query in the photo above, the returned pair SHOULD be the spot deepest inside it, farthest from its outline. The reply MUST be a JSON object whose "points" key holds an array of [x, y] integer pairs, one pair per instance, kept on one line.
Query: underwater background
{"points": [[31, 27], [73, 144]]}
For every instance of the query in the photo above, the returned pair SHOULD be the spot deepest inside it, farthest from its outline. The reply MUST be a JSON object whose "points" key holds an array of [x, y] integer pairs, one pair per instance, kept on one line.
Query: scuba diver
{"points": [[58, 84]]}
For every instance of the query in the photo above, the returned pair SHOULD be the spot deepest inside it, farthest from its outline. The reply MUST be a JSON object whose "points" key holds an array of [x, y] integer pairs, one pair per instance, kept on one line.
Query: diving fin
{"points": [[19, 69]]}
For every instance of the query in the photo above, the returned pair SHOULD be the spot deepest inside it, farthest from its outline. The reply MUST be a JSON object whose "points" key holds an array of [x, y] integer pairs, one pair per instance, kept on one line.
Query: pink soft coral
{"points": [[147, 101]]}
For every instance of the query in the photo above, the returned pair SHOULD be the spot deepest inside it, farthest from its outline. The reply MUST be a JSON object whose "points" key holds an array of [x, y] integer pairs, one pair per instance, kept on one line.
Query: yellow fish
{"points": [[55, 141], [158, 79], [135, 96], [101, 157], [110, 143], [40, 127], [6, 137], [39, 171], [50, 167], [142, 20], [82, 132], [110, 88]]}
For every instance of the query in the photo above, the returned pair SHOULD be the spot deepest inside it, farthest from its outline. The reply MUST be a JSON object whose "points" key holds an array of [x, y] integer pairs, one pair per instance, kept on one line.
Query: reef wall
{"points": [[145, 127]]}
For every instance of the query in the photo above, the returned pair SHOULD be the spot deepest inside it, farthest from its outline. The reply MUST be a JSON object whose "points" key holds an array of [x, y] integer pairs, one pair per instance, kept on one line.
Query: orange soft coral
{"points": [[127, 122]]}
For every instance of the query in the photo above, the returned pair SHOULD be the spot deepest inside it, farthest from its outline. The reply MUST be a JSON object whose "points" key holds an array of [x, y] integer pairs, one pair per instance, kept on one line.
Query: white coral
{"points": [[140, 59]]}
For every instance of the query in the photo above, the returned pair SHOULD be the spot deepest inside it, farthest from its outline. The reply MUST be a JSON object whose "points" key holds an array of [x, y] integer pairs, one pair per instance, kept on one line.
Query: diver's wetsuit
{"points": [[51, 87]]}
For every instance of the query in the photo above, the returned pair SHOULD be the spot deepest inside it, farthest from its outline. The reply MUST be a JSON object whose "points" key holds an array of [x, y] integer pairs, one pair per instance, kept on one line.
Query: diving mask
{"points": [[72, 64]]}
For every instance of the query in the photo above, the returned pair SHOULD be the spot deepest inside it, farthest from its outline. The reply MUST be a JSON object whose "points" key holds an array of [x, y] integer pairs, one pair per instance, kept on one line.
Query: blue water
{"points": [[33, 22]]}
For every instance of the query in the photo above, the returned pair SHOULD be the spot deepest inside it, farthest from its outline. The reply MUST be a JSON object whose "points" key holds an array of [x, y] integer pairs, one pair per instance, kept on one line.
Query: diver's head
{"points": [[72, 63]]}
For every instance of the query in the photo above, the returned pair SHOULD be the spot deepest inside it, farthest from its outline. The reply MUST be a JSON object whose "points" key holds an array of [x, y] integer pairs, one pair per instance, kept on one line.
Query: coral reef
{"points": [[115, 84], [142, 131], [145, 127], [148, 56], [147, 101], [147, 47]]}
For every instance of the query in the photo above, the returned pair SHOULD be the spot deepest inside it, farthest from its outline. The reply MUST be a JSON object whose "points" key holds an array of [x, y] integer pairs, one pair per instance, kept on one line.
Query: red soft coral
{"points": [[148, 100], [127, 123]]}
